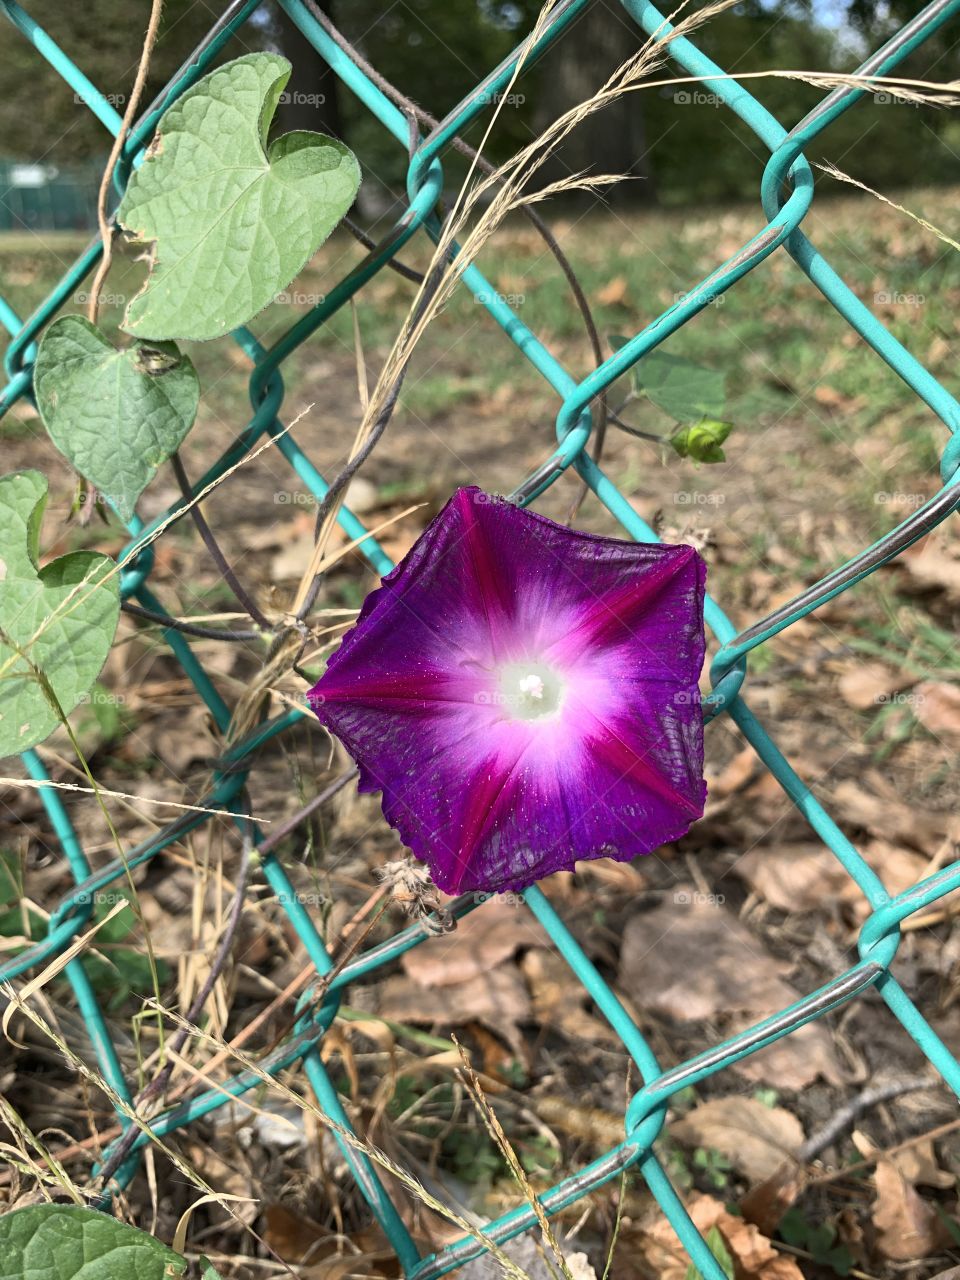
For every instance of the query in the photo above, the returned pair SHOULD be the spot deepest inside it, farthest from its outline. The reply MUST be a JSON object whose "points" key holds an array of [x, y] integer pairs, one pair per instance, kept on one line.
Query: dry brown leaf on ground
{"points": [[919, 1165], [176, 738], [833, 398], [765, 1204], [807, 1054], [278, 533], [625, 877], [937, 706], [805, 877], [899, 869], [613, 293], [793, 877], [292, 1235], [499, 999], [871, 803], [480, 942], [930, 566], [229, 1174], [754, 1138], [294, 556], [558, 1000], [692, 961], [298, 1239], [734, 775], [755, 1258], [869, 684], [907, 1225]]}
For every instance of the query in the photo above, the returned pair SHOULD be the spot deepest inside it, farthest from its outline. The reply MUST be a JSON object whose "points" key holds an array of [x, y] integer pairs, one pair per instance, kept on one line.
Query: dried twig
{"points": [[185, 627], [219, 558], [845, 1115], [106, 228]]}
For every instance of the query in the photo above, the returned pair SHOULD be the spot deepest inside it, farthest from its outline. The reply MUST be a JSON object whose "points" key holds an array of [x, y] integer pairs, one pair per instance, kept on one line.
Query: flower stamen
{"points": [[533, 685], [530, 690]]}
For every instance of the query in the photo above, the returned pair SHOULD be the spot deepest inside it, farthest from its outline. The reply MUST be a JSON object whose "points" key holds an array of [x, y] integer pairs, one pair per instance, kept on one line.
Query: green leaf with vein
{"points": [[117, 415], [718, 1247], [233, 219], [67, 1242], [680, 387], [56, 623]]}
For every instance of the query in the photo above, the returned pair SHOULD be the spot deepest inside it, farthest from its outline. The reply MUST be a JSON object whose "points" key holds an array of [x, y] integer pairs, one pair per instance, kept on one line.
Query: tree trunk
{"points": [[310, 100], [612, 140]]}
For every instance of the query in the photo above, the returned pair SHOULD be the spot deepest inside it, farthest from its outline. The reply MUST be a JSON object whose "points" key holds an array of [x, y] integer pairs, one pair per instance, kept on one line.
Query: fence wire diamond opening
{"points": [[786, 195]]}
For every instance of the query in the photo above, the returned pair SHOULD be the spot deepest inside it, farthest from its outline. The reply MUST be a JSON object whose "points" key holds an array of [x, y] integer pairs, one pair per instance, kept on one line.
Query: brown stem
{"points": [[245, 600], [106, 229], [188, 628], [291, 823]]}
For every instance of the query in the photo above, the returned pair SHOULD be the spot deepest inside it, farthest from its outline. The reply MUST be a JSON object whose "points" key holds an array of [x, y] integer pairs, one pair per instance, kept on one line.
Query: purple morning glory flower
{"points": [[525, 695]]}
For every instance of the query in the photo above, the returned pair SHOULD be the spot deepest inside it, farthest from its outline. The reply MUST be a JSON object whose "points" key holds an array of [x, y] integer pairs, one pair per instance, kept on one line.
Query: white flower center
{"points": [[530, 690]]}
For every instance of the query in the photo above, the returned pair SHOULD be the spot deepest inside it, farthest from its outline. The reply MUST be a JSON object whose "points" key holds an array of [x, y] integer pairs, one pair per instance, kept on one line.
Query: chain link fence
{"points": [[786, 194]]}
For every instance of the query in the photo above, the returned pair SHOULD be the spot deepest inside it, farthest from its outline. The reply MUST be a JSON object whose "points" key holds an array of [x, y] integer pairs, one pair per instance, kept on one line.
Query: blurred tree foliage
{"points": [[674, 141], [40, 116]]}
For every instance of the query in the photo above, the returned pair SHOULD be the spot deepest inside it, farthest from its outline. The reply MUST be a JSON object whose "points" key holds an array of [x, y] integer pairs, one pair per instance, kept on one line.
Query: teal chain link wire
{"points": [[786, 195]]}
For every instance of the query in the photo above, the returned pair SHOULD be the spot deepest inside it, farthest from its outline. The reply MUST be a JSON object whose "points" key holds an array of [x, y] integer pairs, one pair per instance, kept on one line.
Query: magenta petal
{"points": [[525, 695]]}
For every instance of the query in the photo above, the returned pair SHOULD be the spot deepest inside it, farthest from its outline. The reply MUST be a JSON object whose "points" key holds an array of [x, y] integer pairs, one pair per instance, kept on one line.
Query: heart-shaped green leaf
{"points": [[56, 623], [680, 387], [117, 415], [67, 1242], [233, 220]]}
